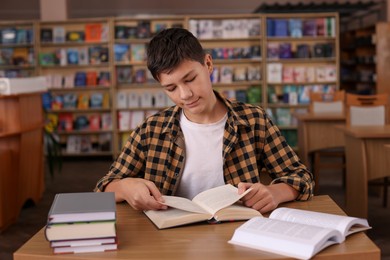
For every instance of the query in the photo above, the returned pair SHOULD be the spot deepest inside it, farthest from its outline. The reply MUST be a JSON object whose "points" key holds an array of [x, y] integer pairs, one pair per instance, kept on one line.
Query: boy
{"points": [[204, 141]]}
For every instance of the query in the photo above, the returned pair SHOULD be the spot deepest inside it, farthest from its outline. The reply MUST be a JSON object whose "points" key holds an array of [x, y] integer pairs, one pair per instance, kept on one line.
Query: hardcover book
{"points": [[309, 232], [82, 206], [216, 204]]}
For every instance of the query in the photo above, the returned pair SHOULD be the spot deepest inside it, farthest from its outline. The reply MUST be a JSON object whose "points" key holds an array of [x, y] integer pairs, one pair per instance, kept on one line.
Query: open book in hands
{"points": [[217, 203], [296, 233]]}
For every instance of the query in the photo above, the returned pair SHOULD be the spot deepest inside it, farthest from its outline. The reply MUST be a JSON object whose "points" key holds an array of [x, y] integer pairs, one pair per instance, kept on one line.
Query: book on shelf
{"points": [[83, 56], [75, 36], [81, 122], [302, 233], [281, 27], [285, 50], [273, 50], [59, 34], [94, 121], [295, 27], [121, 99], [309, 27], [83, 101], [106, 120], [46, 35], [72, 56], [70, 100], [65, 122], [216, 204], [124, 120], [136, 118], [93, 32], [122, 52], [160, 99], [274, 72], [96, 100], [124, 75], [138, 52]]}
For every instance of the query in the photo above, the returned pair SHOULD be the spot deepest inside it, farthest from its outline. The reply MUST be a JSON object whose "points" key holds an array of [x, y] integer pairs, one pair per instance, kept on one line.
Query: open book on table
{"points": [[216, 204], [296, 233]]}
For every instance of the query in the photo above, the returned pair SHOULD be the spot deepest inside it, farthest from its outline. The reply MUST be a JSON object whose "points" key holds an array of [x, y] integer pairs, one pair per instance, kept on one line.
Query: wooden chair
{"points": [[332, 158], [366, 110]]}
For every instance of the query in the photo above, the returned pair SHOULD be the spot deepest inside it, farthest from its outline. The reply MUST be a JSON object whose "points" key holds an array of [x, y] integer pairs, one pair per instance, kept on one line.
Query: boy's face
{"points": [[189, 87]]}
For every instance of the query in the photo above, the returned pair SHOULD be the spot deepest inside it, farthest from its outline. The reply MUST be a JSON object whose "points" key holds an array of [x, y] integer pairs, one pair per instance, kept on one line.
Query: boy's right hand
{"points": [[141, 194]]}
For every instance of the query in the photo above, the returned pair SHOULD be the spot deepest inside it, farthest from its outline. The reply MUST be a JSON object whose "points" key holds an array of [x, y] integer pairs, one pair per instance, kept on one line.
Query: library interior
{"points": [[75, 84]]}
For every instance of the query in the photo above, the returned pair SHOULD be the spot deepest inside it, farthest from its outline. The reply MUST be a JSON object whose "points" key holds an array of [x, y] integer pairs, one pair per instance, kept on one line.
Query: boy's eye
{"points": [[170, 89], [191, 79]]}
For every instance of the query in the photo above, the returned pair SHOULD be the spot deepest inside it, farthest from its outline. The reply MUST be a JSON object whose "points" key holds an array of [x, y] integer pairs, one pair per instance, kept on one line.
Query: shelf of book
{"points": [[97, 66], [358, 66], [18, 49], [137, 94], [301, 55], [74, 56]]}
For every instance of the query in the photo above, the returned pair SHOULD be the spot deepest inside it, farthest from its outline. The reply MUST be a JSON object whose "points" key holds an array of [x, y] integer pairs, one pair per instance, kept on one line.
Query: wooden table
{"points": [[365, 158], [316, 131], [140, 239]]}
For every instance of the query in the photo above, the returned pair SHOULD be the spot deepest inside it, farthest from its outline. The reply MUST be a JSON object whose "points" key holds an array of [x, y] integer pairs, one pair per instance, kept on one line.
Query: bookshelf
{"points": [[74, 56], [235, 44], [18, 49], [137, 94], [358, 60], [301, 55], [100, 88]]}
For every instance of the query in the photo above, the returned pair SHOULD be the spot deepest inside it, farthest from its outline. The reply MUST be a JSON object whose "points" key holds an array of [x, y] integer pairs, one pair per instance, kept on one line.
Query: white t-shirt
{"points": [[203, 168]]}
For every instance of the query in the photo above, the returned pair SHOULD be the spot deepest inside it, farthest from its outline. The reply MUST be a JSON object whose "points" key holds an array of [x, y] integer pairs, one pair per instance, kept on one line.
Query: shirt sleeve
{"points": [[284, 165], [128, 164]]}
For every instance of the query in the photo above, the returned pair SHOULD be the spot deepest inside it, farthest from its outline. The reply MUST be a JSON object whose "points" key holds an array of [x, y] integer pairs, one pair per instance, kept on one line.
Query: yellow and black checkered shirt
{"points": [[155, 151]]}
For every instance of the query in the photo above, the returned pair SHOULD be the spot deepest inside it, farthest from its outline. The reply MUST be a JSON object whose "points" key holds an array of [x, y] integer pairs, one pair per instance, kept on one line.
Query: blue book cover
{"points": [[281, 27], [295, 27], [270, 27]]}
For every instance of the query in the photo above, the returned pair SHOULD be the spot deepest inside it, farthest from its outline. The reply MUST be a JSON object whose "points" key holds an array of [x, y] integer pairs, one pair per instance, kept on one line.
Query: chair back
{"points": [[367, 109], [327, 102]]}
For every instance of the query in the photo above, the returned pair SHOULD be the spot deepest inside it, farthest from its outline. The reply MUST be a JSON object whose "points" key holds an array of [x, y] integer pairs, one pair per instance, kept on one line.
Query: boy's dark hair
{"points": [[170, 47]]}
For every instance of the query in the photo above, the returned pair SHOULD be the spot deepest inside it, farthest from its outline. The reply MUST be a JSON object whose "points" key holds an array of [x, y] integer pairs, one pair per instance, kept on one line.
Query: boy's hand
{"points": [[139, 193]]}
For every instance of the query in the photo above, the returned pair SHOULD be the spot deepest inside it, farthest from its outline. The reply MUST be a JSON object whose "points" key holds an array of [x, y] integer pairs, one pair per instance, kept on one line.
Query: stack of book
{"points": [[82, 222]]}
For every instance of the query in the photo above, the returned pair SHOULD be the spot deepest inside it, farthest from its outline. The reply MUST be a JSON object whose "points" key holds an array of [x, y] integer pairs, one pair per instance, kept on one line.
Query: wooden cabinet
{"points": [[21, 154], [75, 56], [18, 49]]}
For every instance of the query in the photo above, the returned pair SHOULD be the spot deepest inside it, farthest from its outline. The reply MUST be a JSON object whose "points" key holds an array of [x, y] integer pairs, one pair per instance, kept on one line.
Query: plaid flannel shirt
{"points": [[155, 151]]}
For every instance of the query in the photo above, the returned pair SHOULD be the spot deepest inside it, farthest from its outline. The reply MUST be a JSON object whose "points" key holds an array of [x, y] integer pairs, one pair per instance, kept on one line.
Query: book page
{"points": [[285, 238], [325, 220], [183, 204], [174, 217], [217, 198]]}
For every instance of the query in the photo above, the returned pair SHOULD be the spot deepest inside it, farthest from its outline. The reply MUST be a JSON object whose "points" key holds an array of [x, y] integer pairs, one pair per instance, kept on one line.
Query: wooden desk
{"points": [[366, 160], [317, 131], [140, 239]]}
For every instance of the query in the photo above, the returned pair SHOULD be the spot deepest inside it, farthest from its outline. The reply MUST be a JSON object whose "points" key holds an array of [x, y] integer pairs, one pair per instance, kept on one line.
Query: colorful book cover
{"points": [[83, 101], [93, 32], [295, 27], [281, 27], [59, 34], [274, 72], [138, 52]]}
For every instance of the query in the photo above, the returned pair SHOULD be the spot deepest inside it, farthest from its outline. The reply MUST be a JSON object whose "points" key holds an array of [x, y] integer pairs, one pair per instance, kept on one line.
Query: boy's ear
{"points": [[209, 63]]}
